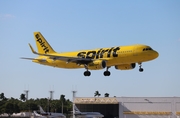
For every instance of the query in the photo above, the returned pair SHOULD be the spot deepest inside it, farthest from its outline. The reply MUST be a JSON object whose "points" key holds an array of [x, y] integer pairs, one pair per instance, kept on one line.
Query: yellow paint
{"points": [[148, 112], [177, 113]]}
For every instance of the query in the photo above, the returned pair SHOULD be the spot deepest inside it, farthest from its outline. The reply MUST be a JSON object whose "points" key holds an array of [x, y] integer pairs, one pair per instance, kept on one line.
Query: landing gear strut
{"points": [[140, 67], [107, 73], [86, 73]]}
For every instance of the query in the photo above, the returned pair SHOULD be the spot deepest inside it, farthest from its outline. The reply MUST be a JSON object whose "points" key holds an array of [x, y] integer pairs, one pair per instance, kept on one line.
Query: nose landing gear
{"points": [[140, 67]]}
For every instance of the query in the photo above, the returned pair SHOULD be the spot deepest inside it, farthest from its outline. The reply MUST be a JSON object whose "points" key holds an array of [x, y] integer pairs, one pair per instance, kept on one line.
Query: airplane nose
{"points": [[156, 54]]}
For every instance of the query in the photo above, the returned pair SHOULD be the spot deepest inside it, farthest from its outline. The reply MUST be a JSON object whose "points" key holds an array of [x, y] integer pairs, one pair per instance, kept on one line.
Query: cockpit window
{"points": [[150, 49], [145, 49]]}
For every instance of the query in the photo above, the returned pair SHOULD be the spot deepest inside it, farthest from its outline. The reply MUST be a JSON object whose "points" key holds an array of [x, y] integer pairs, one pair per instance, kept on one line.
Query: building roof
{"points": [[96, 100]]}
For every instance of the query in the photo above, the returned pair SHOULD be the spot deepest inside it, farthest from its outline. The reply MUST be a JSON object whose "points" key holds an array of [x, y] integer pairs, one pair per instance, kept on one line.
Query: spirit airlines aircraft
{"points": [[121, 57]]}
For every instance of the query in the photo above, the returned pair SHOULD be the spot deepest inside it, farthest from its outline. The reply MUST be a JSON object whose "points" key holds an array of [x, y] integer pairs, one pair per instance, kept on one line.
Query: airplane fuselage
{"points": [[114, 56]]}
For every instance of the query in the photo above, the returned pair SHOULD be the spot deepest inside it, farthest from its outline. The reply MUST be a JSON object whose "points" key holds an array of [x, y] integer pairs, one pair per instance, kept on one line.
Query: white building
{"points": [[131, 107]]}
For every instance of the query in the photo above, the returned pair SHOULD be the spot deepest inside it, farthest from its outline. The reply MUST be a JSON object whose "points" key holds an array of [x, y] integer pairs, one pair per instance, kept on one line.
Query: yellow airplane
{"points": [[122, 57]]}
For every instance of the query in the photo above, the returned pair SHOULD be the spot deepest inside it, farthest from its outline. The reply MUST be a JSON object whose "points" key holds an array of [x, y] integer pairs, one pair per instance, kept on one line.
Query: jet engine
{"points": [[97, 65], [125, 66]]}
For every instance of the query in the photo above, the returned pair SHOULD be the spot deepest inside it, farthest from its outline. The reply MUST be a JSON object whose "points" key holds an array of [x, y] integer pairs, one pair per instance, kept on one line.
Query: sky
{"points": [[87, 24]]}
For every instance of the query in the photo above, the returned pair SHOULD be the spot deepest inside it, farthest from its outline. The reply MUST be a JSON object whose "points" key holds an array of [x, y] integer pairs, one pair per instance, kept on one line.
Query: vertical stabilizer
{"points": [[76, 109], [41, 110], [42, 45]]}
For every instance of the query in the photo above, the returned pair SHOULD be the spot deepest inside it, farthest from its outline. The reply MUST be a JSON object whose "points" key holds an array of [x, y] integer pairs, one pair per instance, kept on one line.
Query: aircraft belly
{"points": [[112, 62]]}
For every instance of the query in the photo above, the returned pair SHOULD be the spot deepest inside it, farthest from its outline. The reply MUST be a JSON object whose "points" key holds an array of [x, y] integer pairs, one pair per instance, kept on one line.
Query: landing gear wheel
{"points": [[107, 73], [141, 69], [87, 73]]}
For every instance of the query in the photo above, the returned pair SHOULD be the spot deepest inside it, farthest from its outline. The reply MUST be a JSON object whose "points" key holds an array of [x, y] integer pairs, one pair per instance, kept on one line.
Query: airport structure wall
{"points": [[149, 107], [139, 107]]}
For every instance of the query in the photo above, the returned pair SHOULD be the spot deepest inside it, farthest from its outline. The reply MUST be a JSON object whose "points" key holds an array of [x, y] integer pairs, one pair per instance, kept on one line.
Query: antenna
{"points": [[51, 94], [74, 92], [74, 95], [26, 92]]}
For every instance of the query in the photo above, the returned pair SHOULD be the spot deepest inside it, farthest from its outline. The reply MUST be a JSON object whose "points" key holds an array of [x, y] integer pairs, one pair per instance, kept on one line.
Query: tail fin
{"points": [[41, 110], [76, 109], [42, 45]]}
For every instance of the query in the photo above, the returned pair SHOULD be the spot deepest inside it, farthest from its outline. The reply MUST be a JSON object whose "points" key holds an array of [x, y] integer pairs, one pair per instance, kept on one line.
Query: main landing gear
{"points": [[140, 67], [107, 73], [86, 73]]}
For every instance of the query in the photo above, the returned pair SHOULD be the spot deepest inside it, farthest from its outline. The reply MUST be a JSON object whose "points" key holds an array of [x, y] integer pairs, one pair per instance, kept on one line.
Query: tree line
{"points": [[12, 105]]}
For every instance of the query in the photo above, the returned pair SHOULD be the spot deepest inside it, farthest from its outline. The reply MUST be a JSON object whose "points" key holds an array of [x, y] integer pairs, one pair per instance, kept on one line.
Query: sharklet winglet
{"points": [[32, 49]]}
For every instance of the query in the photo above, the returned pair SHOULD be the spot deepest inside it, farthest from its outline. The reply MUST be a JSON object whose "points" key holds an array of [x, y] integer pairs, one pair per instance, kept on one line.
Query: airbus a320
{"points": [[121, 57]]}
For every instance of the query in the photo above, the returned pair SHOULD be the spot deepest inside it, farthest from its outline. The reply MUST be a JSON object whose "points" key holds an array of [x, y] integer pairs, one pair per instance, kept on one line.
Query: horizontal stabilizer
{"points": [[42, 60]]}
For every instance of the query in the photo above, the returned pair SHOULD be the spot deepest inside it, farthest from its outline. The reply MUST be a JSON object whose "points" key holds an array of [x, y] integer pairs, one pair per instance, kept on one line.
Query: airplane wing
{"points": [[81, 113], [77, 60], [42, 60]]}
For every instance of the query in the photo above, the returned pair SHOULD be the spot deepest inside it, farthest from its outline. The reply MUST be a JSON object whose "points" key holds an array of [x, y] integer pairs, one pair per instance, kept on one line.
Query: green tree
{"points": [[9, 108], [97, 94], [16, 108], [106, 95], [2, 97], [62, 100], [32, 106], [22, 97], [2, 109], [68, 106], [62, 97], [55, 105], [12, 105], [22, 106]]}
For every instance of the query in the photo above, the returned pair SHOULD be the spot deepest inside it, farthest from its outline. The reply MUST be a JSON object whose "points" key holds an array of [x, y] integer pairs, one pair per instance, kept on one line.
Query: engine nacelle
{"points": [[125, 66], [97, 65]]}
